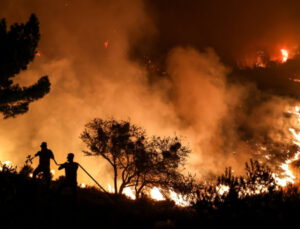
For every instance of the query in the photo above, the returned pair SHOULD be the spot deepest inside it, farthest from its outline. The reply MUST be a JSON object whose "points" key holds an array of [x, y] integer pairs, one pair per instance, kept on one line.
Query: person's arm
{"points": [[52, 157], [62, 166]]}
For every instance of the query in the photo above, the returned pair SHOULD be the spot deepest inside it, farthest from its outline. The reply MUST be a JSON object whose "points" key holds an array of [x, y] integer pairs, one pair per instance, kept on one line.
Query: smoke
{"points": [[92, 52], [88, 80], [228, 121], [201, 100]]}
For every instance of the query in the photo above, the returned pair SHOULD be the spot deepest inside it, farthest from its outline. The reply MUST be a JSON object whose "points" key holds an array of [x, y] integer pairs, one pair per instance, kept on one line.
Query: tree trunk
{"points": [[116, 179], [138, 191], [122, 186]]}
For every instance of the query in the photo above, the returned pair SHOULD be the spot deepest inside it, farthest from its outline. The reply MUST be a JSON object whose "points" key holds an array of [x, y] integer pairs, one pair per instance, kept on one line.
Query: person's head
{"points": [[70, 157], [44, 145]]}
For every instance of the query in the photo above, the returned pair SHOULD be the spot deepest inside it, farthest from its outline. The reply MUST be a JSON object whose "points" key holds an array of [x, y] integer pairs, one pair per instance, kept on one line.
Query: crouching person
{"points": [[71, 176]]}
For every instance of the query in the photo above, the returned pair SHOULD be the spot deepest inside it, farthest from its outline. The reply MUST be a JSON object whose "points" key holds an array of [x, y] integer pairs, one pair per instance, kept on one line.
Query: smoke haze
{"points": [[94, 52]]}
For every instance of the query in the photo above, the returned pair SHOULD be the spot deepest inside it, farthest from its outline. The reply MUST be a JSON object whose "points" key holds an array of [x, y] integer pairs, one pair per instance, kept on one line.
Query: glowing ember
{"points": [[156, 194], [284, 54], [38, 54], [106, 43], [52, 172], [82, 185]]}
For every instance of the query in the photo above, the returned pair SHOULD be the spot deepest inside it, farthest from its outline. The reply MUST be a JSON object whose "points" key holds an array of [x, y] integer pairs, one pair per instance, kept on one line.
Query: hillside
{"points": [[27, 204]]}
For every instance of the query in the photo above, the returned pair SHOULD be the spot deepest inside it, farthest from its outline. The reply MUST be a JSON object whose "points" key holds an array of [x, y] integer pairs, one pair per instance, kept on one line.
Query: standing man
{"points": [[70, 180], [45, 155]]}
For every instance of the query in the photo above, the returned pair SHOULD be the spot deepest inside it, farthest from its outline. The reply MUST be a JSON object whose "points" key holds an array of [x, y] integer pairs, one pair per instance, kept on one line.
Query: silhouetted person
{"points": [[71, 175], [45, 155]]}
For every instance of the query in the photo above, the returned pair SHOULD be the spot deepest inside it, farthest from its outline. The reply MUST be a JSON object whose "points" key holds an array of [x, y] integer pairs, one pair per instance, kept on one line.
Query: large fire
{"points": [[156, 194], [280, 57], [287, 176]]}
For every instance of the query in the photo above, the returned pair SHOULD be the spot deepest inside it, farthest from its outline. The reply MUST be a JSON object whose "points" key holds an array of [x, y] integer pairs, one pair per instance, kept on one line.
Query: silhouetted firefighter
{"points": [[45, 155], [71, 175]]}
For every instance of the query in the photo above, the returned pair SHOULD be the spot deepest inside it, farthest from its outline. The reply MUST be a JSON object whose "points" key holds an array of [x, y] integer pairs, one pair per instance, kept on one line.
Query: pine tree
{"points": [[18, 47]]}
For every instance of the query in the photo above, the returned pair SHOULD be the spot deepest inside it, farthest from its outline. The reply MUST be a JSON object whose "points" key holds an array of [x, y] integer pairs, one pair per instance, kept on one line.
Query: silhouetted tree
{"points": [[116, 142], [139, 161], [17, 49]]}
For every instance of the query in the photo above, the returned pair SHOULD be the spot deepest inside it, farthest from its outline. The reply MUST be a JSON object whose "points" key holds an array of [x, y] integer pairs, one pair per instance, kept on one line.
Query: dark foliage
{"points": [[258, 180], [26, 203], [18, 47]]}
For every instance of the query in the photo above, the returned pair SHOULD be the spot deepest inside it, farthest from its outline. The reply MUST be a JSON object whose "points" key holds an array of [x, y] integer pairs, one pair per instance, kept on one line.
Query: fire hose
{"points": [[109, 196], [93, 179]]}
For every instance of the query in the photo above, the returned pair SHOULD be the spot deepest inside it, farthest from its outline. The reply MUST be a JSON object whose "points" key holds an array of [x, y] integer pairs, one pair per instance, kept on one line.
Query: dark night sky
{"points": [[235, 29]]}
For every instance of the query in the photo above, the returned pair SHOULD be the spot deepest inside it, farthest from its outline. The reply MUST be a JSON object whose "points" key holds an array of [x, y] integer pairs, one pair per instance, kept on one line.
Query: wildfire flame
{"points": [[156, 194], [110, 189], [288, 176], [128, 192], [283, 179], [6, 164], [284, 54], [222, 189]]}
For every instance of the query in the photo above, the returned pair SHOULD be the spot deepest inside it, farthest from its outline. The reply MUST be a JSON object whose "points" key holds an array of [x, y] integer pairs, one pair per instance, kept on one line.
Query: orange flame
{"points": [[284, 54], [288, 176]]}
